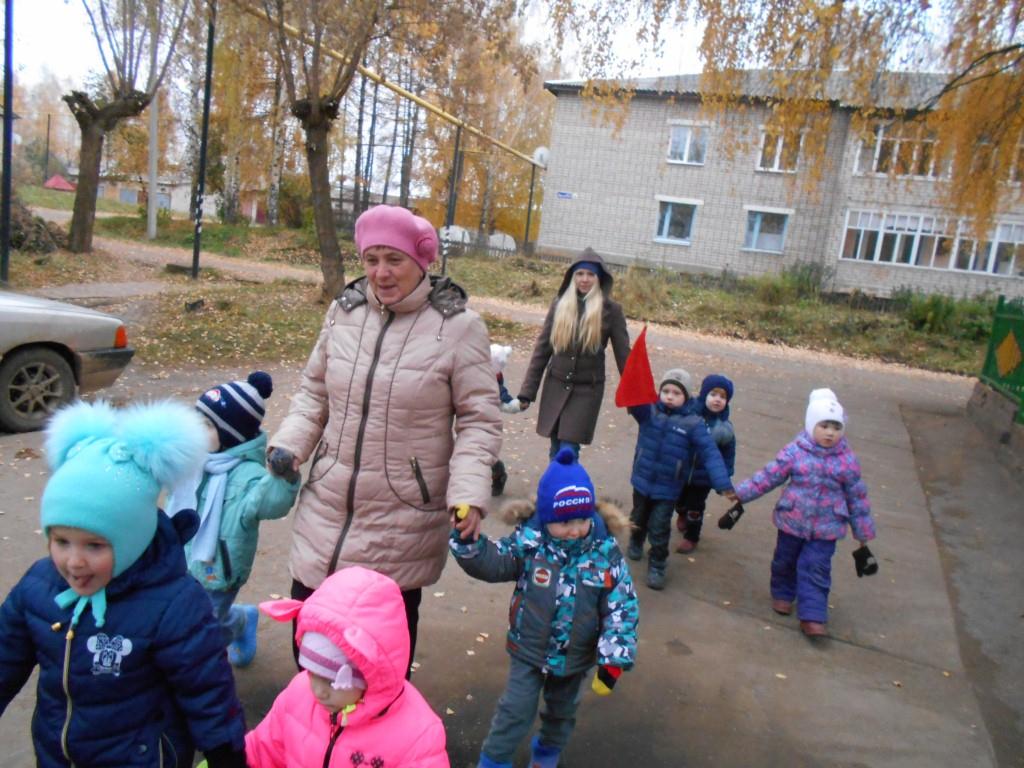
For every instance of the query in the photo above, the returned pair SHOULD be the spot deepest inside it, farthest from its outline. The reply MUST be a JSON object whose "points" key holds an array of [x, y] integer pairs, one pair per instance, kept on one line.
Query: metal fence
{"points": [[1004, 362]]}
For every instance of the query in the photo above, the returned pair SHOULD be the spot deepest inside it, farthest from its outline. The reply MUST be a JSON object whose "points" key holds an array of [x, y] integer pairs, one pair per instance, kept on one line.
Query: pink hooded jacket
{"points": [[392, 727]]}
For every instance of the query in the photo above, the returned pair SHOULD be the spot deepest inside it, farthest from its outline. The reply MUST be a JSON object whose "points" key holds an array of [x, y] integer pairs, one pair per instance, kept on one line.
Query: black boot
{"points": [[656, 575], [498, 478]]}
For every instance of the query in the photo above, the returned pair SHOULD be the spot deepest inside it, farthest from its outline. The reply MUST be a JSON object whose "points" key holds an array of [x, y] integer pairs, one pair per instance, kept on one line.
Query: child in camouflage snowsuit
{"points": [[573, 606]]}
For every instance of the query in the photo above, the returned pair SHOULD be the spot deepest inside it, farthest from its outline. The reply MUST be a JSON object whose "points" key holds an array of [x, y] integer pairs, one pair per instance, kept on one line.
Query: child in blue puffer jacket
{"points": [[233, 494], [712, 404], [131, 664], [670, 435]]}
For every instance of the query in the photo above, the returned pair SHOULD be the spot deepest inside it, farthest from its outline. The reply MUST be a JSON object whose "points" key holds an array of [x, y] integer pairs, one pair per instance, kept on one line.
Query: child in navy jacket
{"points": [[712, 404], [132, 669], [670, 435]]}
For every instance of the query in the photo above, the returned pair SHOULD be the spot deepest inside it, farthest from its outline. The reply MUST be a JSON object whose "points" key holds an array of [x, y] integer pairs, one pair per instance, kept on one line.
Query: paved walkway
{"points": [[923, 668]]}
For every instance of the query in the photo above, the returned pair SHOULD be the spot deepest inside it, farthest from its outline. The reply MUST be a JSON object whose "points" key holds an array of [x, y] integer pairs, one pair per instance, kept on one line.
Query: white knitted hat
{"points": [[823, 406]]}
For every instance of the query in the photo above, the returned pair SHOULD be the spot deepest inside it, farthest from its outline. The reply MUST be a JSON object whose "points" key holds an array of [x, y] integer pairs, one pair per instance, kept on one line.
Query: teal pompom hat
{"points": [[110, 467]]}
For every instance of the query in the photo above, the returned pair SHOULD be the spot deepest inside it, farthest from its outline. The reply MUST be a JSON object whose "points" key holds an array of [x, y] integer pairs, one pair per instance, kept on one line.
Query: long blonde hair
{"points": [[568, 330]]}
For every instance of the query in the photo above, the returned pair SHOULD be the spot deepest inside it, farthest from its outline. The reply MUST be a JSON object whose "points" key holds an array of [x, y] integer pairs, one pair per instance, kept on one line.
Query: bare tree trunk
{"points": [[391, 154], [370, 146], [408, 150], [276, 157], [357, 177], [84, 212], [483, 229], [230, 202], [320, 183], [95, 122]]}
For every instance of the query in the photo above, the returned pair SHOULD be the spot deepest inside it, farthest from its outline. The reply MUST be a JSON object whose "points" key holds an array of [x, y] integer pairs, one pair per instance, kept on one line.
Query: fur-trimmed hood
{"points": [[610, 519]]}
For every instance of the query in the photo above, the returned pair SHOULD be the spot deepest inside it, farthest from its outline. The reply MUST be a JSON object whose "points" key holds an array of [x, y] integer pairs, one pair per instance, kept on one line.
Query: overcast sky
{"points": [[55, 34]]}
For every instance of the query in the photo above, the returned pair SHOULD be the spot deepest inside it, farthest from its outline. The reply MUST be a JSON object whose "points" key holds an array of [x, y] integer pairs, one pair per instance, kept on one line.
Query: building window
{"points": [[688, 144], [779, 152], [932, 241], [903, 149], [676, 219], [766, 230]]}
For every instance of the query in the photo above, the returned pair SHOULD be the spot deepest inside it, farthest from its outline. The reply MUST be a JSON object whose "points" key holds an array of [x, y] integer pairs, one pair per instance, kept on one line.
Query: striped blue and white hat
{"points": [[236, 408]]}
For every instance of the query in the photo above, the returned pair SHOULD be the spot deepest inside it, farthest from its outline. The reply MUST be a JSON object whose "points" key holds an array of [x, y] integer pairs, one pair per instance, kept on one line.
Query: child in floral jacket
{"points": [[824, 495], [573, 605]]}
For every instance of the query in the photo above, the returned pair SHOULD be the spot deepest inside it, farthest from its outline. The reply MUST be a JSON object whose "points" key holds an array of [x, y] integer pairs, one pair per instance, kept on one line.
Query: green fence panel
{"points": [[1004, 361]]}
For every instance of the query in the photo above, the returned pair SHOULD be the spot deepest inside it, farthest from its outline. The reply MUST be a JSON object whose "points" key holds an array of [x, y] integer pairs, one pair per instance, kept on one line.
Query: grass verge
{"points": [[271, 244], [767, 309], [40, 197], [931, 332], [241, 323], [44, 270]]}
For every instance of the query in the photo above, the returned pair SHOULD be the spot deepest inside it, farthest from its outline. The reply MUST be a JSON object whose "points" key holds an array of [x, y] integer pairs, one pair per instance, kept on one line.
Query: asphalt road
{"points": [[924, 666]]}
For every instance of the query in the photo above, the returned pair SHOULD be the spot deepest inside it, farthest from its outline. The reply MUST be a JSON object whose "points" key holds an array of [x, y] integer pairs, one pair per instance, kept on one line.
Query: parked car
{"points": [[48, 350]]}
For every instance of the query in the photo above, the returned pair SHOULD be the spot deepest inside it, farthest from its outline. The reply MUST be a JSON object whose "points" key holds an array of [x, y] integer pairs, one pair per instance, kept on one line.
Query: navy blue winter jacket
{"points": [[722, 433], [139, 691], [669, 438]]}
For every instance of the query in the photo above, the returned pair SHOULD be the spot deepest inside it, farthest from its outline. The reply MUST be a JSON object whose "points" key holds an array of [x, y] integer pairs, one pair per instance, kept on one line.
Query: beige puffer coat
{"points": [[401, 406]]}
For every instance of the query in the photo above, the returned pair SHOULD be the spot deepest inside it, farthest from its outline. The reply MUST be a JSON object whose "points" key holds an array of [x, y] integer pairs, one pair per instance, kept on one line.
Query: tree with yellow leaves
{"points": [[796, 56], [319, 65]]}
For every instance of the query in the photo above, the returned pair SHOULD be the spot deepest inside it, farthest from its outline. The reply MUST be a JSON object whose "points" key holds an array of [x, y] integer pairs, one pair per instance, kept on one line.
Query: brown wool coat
{"points": [[401, 407], [574, 381]]}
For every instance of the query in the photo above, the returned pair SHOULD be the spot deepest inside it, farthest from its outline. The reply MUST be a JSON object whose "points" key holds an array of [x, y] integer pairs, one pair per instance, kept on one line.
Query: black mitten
{"points": [[864, 561], [225, 756], [280, 462], [728, 520]]}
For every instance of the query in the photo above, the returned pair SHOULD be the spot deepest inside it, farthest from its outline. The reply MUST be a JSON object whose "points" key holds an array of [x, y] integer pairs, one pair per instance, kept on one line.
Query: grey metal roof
{"points": [[890, 90]]}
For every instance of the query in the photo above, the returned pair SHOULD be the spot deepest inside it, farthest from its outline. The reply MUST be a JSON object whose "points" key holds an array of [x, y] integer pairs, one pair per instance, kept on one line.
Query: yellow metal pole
{"points": [[371, 75]]}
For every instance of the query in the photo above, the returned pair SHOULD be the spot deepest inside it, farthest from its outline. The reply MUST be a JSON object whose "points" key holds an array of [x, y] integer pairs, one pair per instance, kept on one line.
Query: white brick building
{"points": [[662, 191]]}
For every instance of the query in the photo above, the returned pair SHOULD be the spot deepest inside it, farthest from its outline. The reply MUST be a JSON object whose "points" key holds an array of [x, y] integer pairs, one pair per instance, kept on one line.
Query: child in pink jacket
{"points": [[351, 706]]}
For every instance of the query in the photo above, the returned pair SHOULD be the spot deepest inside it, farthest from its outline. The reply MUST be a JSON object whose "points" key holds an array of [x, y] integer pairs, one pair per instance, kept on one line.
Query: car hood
{"points": [[10, 300]]}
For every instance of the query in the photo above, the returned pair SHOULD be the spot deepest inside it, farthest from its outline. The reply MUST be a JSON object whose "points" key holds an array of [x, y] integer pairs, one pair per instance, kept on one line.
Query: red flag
{"points": [[637, 384]]}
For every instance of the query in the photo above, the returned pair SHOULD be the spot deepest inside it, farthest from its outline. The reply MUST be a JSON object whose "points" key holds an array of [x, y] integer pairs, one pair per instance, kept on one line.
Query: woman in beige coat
{"points": [[399, 410]]}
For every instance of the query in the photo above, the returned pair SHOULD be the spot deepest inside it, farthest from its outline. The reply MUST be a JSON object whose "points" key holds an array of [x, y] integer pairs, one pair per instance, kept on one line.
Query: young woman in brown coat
{"points": [[569, 354], [398, 409]]}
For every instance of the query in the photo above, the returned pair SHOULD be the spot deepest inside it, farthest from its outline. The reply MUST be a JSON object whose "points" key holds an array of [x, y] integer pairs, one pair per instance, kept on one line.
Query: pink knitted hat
{"points": [[400, 229], [322, 657]]}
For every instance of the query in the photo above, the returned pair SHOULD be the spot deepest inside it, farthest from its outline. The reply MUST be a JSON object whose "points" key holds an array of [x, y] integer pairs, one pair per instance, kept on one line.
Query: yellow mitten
{"points": [[605, 679]]}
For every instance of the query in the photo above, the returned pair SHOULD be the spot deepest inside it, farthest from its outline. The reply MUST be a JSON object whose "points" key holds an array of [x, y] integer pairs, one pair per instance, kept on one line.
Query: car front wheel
{"points": [[34, 383]]}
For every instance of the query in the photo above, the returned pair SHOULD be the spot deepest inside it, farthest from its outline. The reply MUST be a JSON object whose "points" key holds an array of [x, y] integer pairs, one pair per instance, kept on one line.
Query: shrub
{"points": [[967, 319], [806, 278], [294, 201], [772, 289], [933, 313], [642, 291], [974, 319]]}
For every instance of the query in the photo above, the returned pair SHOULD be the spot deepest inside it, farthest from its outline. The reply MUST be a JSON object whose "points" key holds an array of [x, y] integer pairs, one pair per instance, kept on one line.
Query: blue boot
{"points": [[243, 650], [541, 756], [486, 762]]}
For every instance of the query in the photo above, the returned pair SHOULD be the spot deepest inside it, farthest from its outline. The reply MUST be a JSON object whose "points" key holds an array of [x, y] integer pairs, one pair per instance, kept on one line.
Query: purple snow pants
{"points": [[802, 571]]}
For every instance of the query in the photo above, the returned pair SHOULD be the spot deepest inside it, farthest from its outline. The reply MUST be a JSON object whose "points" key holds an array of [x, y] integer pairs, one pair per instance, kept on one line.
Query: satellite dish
{"points": [[541, 156]]}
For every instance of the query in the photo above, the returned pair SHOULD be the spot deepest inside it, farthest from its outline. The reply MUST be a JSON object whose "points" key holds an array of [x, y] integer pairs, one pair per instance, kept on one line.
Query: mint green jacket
{"points": [[252, 495]]}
